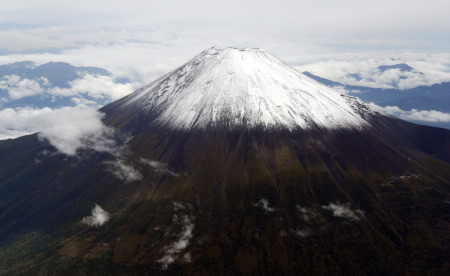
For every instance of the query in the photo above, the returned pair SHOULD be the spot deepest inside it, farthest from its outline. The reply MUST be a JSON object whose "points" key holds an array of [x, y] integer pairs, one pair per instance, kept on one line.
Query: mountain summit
{"points": [[243, 87], [236, 164]]}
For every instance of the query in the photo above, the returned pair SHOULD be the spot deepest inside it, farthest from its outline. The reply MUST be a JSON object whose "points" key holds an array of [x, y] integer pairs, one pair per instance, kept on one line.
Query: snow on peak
{"points": [[236, 87]]}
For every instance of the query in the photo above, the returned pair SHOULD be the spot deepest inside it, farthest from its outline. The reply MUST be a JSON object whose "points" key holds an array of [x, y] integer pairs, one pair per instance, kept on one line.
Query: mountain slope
{"points": [[240, 87], [207, 198]]}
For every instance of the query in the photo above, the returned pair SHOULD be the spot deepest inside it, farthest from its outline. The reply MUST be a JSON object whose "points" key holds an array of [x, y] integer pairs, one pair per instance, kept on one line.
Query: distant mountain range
{"points": [[34, 84], [434, 97], [401, 66], [57, 73], [39, 80]]}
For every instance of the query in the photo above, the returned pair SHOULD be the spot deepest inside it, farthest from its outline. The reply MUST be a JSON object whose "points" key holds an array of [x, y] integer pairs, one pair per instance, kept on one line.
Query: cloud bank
{"points": [[417, 115], [361, 69], [18, 88], [94, 86], [68, 129], [71, 129]]}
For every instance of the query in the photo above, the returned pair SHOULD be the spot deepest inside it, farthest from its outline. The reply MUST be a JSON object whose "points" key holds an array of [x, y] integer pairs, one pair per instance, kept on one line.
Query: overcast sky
{"points": [[166, 33], [142, 40]]}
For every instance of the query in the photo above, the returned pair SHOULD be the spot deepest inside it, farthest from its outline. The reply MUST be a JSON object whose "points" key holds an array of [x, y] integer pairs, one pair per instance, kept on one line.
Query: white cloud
{"points": [[172, 250], [340, 89], [301, 232], [307, 214], [264, 205], [83, 101], [177, 206], [97, 218], [344, 211], [158, 166], [94, 86], [18, 88], [68, 129], [71, 129], [186, 258], [428, 69], [124, 171], [142, 54], [348, 19], [416, 115], [128, 172]]}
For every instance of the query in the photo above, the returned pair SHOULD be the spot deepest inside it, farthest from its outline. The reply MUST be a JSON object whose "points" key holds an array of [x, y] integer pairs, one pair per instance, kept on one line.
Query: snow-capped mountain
{"points": [[231, 164], [243, 87]]}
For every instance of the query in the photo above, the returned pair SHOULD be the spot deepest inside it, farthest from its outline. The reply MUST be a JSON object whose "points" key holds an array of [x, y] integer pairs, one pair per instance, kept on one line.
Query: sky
{"points": [[142, 40]]}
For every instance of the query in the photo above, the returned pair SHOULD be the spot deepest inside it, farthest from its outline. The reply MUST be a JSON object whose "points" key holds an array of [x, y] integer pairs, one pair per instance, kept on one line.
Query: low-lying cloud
{"points": [[71, 129], [19, 88], [301, 232], [172, 251], [343, 211], [307, 214], [97, 218], [94, 86], [78, 129], [158, 167], [129, 171], [123, 171], [68, 129], [362, 69], [264, 205], [417, 115]]}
